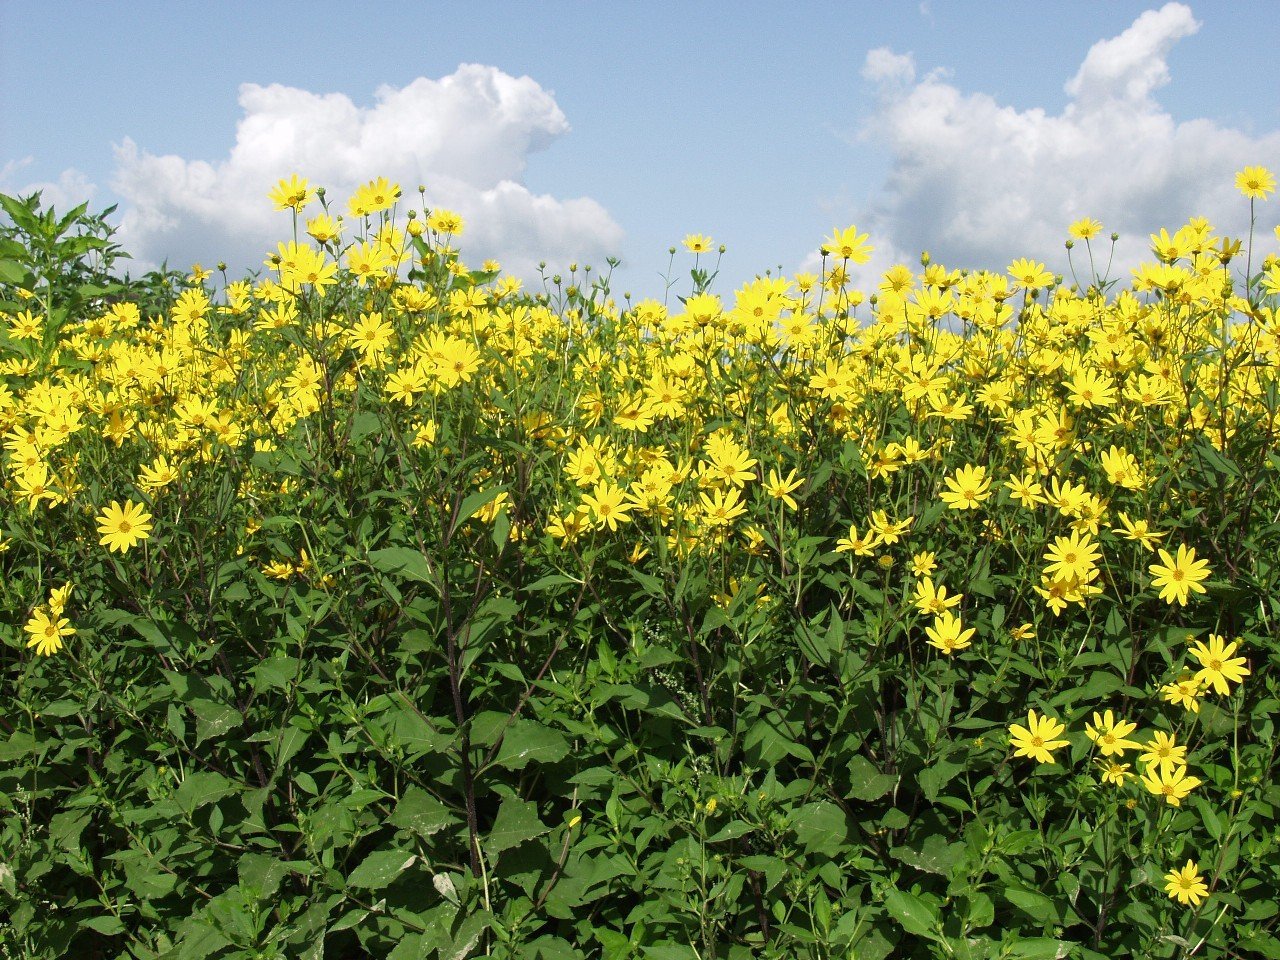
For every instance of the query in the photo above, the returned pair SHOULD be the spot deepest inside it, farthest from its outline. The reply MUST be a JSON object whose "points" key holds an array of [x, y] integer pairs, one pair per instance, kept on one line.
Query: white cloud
{"points": [[71, 189], [978, 183], [882, 65], [467, 137]]}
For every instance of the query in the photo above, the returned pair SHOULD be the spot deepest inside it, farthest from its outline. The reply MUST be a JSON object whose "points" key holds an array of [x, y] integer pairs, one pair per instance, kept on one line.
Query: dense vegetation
{"points": [[375, 606]]}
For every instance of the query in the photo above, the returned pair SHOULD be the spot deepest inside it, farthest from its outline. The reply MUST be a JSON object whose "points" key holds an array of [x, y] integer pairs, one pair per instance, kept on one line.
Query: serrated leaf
{"points": [[199, 789], [214, 719], [916, 916], [937, 775], [866, 780], [1039, 948], [527, 741], [402, 562], [517, 821], [108, 925], [420, 812], [379, 868], [820, 826]]}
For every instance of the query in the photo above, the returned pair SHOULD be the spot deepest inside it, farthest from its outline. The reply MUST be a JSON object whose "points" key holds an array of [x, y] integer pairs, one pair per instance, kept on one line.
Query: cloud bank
{"points": [[978, 183], [467, 137]]}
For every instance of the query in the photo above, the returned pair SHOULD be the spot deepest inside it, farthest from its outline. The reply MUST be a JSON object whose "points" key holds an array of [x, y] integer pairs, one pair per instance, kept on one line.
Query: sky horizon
{"points": [[565, 132]]}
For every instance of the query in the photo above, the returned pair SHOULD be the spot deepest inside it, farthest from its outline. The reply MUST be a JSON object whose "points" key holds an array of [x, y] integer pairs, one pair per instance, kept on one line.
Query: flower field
{"points": [[378, 606]]}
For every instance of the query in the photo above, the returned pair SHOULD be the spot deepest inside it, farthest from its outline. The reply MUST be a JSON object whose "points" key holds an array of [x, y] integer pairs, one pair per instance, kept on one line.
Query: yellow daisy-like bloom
{"points": [[948, 634], [608, 505], [1110, 734], [697, 243], [966, 488], [292, 194], [933, 599], [1030, 274], [1218, 667], [1113, 771], [1085, 229], [47, 633], [850, 245], [1163, 750], [781, 488], [1185, 691], [1177, 577], [1172, 784], [1255, 182], [1072, 557], [122, 527], [1037, 740], [1186, 885]]}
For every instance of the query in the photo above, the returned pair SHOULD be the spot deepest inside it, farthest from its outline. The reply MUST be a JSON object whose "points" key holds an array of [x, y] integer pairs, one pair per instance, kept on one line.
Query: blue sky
{"points": [[978, 130]]}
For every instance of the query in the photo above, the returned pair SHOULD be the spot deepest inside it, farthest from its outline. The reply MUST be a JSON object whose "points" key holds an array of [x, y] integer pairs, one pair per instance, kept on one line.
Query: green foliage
{"points": [[350, 698]]}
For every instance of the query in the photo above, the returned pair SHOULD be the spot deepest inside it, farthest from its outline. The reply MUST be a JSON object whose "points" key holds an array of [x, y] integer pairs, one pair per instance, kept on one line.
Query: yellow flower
{"points": [[1139, 531], [1255, 182], [1073, 557], [1175, 578], [924, 563], [1186, 691], [1217, 667], [861, 546], [1037, 739], [46, 633], [934, 600], [1029, 274], [947, 633], [122, 527], [1109, 734], [781, 489], [608, 505], [1088, 388], [1085, 229], [1113, 771], [1173, 784], [848, 244], [1026, 490], [1163, 750], [292, 194], [374, 196], [697, 243], [1186, 885], [966, 488]]}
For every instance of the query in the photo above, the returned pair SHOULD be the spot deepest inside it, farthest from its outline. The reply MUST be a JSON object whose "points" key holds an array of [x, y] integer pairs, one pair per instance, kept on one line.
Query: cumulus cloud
{"points": [[978, 183], [71, 189], [467, 137]]}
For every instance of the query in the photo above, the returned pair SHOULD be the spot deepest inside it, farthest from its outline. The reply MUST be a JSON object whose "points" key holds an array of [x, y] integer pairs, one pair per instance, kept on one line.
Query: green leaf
{"points": [[866, 781], [11, 272], [199, 789], [292, 739], [1031, 902], [937, 775], [379, 868], [517, 821], [420, 812], [474, 502], [403, 562], [820, 826], [1039, 948], [935, 855], [213, 719], [916, 916], [528, 741], [108, 925]]}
